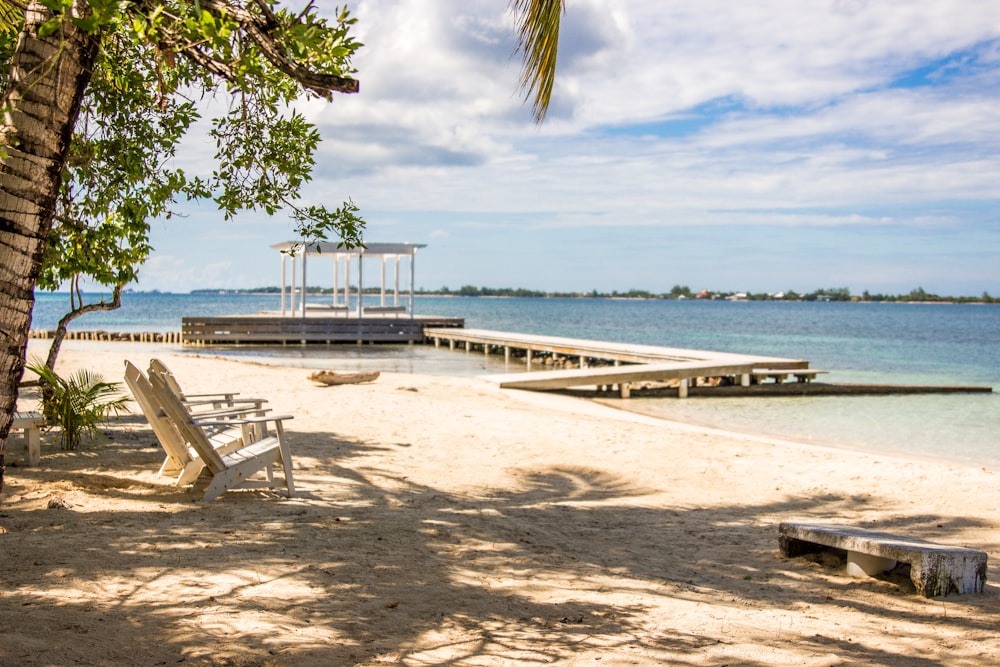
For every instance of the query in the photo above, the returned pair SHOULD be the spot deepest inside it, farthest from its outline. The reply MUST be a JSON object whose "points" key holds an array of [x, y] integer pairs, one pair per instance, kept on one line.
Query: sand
{"points": [[443, 521]]}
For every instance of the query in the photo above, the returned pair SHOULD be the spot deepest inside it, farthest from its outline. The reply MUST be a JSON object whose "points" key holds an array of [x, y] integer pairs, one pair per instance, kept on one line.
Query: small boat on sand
{"points": [[329, 378]]}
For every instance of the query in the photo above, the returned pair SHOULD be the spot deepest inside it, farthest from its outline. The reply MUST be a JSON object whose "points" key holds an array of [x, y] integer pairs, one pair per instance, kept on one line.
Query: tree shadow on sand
{"points": [[378, 569]]}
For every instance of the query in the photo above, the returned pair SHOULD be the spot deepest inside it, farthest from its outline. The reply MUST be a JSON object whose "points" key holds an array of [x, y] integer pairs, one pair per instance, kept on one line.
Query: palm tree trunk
{"points": [[48, 77]]}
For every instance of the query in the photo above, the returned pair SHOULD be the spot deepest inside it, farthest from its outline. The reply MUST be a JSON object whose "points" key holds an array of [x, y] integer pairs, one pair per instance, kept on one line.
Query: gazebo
{"points": [[401, 257], [347, 313]]}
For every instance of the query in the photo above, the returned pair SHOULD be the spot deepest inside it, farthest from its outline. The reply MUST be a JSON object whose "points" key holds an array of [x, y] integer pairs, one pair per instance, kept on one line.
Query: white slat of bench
{"points": [[935, 569], [30, 423]]}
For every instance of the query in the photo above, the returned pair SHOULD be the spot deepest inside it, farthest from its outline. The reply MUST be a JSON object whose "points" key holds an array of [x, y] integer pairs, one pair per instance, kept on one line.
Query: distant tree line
{"points": [[685, 292], [676, 292]]}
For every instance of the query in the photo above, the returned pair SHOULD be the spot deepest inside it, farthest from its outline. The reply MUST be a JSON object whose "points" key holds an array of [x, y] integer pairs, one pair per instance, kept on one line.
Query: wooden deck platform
{"points": [[315, 328], [621, 376], [642, 363], [508, 342]]}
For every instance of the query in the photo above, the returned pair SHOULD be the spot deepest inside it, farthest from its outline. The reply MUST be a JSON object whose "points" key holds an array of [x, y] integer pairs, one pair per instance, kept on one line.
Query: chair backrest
{"points": [[157, 366], [169, 437], [181, 418]]}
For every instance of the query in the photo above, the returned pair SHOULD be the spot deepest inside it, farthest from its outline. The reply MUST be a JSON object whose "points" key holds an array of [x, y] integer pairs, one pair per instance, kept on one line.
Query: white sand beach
{"points": [[443, 521]]}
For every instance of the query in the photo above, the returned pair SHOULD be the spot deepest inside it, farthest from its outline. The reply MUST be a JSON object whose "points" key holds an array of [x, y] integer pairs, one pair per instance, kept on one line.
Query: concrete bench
{"points": [[30, 423], [781, 374], [935, 569]]}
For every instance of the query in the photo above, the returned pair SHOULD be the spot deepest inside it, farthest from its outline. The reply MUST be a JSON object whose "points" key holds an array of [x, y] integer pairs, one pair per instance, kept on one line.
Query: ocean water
{"points": [[856, 342]]}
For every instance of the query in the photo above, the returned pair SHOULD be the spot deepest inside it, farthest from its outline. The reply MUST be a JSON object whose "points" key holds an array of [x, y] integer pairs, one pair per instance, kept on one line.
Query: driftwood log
{"points": [[329, 378]]}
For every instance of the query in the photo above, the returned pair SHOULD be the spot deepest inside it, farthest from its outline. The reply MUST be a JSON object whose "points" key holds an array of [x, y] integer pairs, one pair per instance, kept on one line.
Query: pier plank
{"points": [[645, 363], [579, 377], [578, 347]]}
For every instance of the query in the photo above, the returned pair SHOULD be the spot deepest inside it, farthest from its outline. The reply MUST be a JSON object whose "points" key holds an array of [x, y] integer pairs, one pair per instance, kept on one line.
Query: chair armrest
{"points": [[223, 399], [228, 414], [246, 420]]}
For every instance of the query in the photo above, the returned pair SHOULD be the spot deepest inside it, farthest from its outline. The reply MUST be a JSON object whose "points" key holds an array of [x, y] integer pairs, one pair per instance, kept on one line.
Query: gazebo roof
{"points": [[333, 248]]}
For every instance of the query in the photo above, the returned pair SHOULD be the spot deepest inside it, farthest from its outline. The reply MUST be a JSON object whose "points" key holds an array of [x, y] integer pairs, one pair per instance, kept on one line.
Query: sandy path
{"points": [[444, 521]]}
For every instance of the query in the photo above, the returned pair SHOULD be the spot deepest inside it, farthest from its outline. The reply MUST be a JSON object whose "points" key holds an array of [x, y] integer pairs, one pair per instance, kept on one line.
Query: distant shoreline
{"points": [[527, 294]]}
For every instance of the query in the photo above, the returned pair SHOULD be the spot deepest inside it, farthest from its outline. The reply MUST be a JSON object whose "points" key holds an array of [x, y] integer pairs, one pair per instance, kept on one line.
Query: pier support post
{"points": [[527, 356], [625, 390], [745, 380], [682, 388], [506, 354]]}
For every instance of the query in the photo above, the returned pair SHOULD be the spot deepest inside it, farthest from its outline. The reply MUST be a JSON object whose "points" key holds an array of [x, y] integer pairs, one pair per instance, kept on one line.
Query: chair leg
{"points": [[286, 458]]}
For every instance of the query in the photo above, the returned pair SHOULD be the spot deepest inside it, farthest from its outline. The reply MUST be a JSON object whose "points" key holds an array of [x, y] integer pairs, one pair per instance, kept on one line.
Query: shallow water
{"points": [[874, 343]]}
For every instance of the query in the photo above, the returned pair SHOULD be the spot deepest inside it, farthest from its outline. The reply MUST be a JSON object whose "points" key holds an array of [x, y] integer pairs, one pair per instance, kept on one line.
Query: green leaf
{"points": [[50, 27]]}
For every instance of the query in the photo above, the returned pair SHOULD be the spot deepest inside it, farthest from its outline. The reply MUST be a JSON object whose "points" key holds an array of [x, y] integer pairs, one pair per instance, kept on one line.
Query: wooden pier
{"points": [[270, 329], [600, 364]]}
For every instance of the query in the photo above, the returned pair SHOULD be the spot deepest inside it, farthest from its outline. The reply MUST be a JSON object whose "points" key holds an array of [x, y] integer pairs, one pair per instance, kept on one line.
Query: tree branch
{"points": [[60, 332], [260, 28]]}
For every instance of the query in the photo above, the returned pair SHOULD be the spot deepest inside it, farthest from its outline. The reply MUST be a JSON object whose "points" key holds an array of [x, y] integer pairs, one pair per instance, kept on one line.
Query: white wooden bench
{"points": [[384, 309], [30, 423], [781, 374], [327, 306], [935, 569]]}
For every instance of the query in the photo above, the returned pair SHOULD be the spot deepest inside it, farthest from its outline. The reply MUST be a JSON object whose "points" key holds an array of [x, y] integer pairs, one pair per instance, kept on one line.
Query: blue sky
{"points": [[760, 147]]}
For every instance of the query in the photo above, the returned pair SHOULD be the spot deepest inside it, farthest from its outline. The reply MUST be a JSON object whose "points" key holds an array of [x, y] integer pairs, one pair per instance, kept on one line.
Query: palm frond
{"points": [[11, 16], [78, 403], [538, 41]]}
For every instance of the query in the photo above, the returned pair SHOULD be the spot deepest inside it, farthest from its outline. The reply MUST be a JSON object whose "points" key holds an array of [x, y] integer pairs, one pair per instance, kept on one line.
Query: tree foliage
{"points": [[167, 57], [120, 81], [158, 61], [141, 103], [79, 403]]}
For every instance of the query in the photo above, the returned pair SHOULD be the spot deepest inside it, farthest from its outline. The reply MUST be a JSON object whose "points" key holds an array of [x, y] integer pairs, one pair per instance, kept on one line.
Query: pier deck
{"points": [[314, 328], [621, 376], [593, 349], [643, 363]]}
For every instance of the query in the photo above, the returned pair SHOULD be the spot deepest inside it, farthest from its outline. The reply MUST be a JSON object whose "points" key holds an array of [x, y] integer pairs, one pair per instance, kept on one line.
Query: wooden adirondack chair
{"points": [[181, 462], [198, 402], [260, 451]]}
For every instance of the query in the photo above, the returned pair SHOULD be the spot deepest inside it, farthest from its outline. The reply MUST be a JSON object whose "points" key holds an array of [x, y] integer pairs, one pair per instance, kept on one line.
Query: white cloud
{"points": [[667, 117]]}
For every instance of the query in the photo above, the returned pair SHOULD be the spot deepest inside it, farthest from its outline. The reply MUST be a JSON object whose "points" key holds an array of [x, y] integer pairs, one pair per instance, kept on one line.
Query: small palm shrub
{"points": [[77, 404]]}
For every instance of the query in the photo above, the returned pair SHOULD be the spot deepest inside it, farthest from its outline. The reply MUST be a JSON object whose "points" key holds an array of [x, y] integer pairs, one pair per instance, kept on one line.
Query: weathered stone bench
{"points": [[935, 569], [29, 423]]}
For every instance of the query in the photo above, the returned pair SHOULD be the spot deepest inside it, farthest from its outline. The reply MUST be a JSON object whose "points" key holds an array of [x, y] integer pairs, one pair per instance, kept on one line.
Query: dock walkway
{"points": [[643, 363]]}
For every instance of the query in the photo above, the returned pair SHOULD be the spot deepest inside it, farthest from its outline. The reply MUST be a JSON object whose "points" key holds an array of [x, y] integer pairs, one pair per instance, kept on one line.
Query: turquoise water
{"points": [[882, 343]]}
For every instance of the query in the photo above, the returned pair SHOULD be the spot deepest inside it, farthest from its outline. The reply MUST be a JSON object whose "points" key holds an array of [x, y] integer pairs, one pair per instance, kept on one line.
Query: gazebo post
{"points": [[347, 279], [336, 280], [283, 284], [302, 303], [395, 273], [361, 283], [291, 295], [381, 293], [413, 277]]}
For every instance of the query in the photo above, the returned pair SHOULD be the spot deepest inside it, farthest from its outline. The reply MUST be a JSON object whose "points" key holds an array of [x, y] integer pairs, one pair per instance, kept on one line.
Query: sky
{"points": [[768, 146]]}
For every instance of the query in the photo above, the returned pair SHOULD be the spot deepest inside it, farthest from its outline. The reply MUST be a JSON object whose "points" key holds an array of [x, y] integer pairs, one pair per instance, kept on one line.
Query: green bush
{"points": [[79, 403]]}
